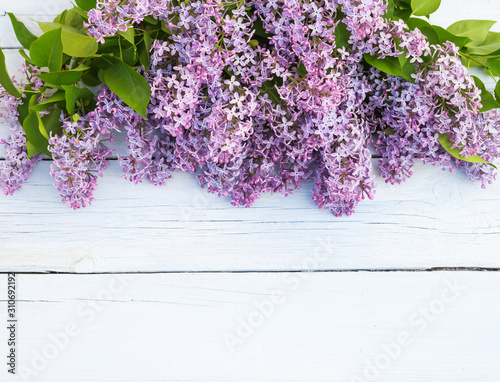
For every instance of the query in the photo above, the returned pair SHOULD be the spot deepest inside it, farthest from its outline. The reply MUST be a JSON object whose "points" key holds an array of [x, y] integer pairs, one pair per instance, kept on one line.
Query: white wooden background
{"points": [[173, 284]]}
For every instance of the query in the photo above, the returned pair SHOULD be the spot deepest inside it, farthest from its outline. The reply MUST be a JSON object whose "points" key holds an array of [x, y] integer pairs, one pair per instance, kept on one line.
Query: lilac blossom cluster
{"points": [[80, 155], [209, 113], [112, 16], [16, 167], [259, 96], [373, 34], [443, 100]]}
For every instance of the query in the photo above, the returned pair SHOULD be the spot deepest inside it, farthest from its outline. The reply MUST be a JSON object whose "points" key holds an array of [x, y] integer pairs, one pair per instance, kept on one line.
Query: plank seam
{"points": [[347, 270]]}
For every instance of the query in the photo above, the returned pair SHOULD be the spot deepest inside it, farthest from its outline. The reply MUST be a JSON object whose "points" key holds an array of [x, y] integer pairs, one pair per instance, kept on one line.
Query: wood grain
{"points": [[284, 327], [436, 219]]}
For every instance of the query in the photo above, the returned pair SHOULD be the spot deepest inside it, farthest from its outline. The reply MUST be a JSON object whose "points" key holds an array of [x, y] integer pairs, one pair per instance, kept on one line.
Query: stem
{"points": [[492, 72]]}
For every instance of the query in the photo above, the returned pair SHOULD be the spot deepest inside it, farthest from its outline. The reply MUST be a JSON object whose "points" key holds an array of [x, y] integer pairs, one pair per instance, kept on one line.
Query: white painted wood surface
{"points": [[411, 326], [437, 219], [331, 323]]}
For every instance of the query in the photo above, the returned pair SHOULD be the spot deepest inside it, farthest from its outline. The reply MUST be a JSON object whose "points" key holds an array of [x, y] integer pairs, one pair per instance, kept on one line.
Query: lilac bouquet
{"points": [[252, 96]]}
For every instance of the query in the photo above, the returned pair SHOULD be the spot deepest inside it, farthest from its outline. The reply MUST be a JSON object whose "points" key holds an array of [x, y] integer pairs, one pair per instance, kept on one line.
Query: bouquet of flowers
{"points": [[252, 96]]}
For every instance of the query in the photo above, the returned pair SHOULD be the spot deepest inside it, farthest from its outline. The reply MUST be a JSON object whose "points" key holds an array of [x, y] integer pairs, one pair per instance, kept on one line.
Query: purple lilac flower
{"points": [[80, 155], [112, 16], [209, 115], [16, 167], [443, 100]]}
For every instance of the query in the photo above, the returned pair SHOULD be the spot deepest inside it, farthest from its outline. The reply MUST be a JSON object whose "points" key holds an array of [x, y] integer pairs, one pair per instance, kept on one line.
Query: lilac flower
{"points": [[259, 96], [80, 155], [112, 16], [16, 167], [209, 115]]}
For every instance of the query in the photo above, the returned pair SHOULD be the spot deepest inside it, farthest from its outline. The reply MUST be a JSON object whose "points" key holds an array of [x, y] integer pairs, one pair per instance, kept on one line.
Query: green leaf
{"points": [[474, 61], [342, 36], [44, 105], [86, 5], [81, 68], [24, 109], [476, 30], [151, 20], [82, 13], [129, 85], [407, 68], [32, 150], [73, 19], [65, 77], [402, 10], [75, 43], [128, 35], [395, 66], [489, 45], [5, 79], [47, 50], [52, 122], [152, 27], [90, 77], [26, 57], [32, 128], [424, 7], [41, 127], [389, 65], [260, 32], [390, 10], [444, 139], [100, 75], [494, 65], [120, 49], [34, 98], [23, 34], [402, 14], [104, 61], [269, 88], [445, 35], [487, 100], [73, 94], [61, 17], [143, 50], [497, 92], [258, 27], [301, 69], [403, 3], [414, 22], [426, 29]]}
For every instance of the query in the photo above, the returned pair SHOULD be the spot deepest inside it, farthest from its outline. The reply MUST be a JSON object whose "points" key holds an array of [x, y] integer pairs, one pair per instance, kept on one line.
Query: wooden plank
{"points": [[311, 327], [436, 219]]}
